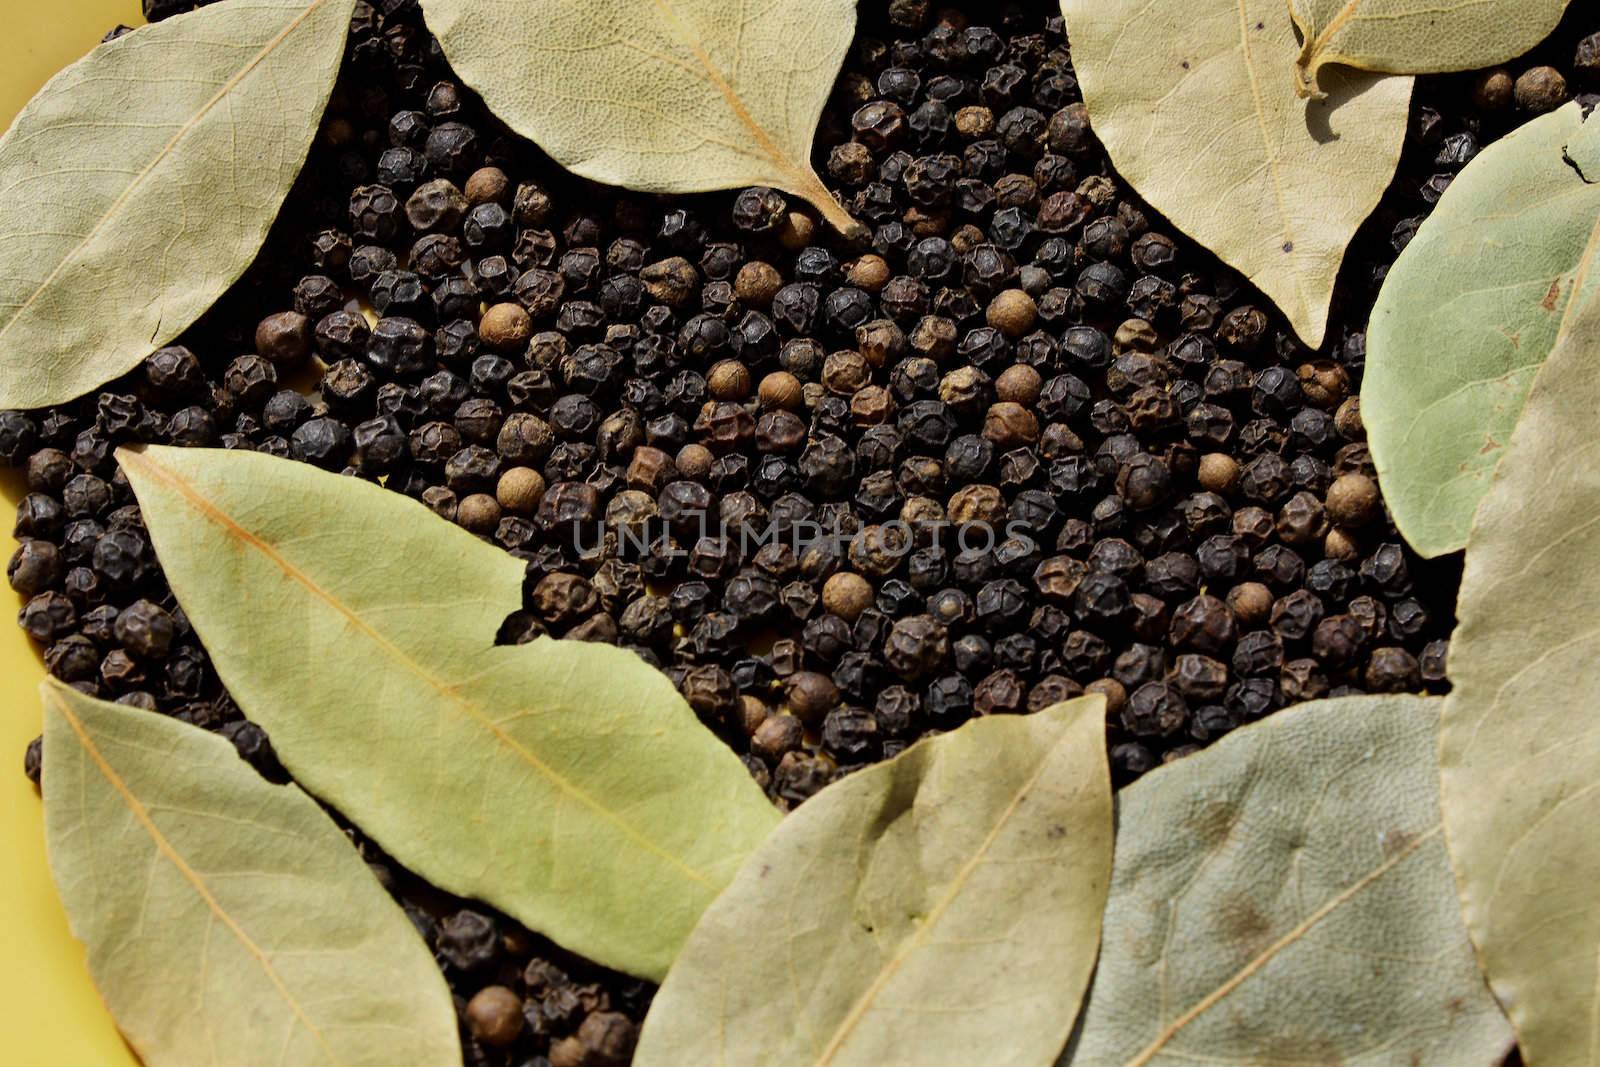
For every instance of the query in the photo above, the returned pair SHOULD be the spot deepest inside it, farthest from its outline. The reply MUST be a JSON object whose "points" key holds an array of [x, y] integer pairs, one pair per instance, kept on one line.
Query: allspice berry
{"points": [[494, 1015], [1218, 473], [1019, 384], [870, 272], [1251, 604], [1341, 546], [284, 339], [1353, 500], [694, 461], [1541, 89], [847, 595], [781, 391], [776, 736], [757, 283], [1347, 420], [519, 490], [479, 513], [728, 379], [506, 327], [488, 185], [1492, 92], [796, 230], [811, 695], [1012, 312], [1115, 692]]}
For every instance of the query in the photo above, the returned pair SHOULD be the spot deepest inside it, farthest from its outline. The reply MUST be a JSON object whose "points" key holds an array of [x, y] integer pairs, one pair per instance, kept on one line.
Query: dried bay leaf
{"points": [[228, 920], [141, 181], [667, 96], [1416, 36], [1284, 897], [1195, 103], [567, 783], [1520, 751], [1451, 352], [942, 908]]}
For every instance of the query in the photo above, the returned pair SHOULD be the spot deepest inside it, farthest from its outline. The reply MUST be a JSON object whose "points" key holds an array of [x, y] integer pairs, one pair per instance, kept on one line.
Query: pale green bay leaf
{"points": [[565, 782], [1417, 36], [938, 910], [668, 96], [1196, 104], [1520, 751], [141, 181], [1284, 897], [1468, 313], [228, 921]]}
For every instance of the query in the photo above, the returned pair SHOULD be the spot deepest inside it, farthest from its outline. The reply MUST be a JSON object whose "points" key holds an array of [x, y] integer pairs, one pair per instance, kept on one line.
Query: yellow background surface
{"points": [[50, 1014]]}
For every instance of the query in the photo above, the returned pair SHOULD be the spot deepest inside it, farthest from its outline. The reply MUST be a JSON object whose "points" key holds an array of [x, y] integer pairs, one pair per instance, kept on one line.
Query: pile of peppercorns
{"points": [[1015, 444]]}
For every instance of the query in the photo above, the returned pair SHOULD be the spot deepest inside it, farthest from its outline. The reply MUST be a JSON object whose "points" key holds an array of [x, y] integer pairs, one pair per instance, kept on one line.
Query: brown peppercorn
{"points": [[672, 281], [1493, 91], [728, 379], [796, 230], [975, 504], [1324, 383], [1010, 425], [871, 406], [487, 185], [1000, 693], [966, 391], [869, 272], [1540, 89], [519, 490], [494, 1015], [780, 391], [694, 461], [845, 371], [562, 599], [1251, 604], [1136, 335], [606, 1039], [776, 736], [1058, 578], [757, 283], [506, 327], [442, 501], [1353, 501], [1341, 546], [1218, 473], [917, 646], [1347, 420], [284, 339], [846, 595], [479, 513], [974, 122], [1012, 312], [881, 341], [811, 695], [651, 469], [1393, 670], [1019, 384]]}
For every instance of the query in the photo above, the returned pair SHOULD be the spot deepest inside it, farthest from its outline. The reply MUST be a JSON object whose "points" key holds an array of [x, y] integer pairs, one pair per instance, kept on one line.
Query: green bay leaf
{"points": [[1195, 102], [667, 96], [1284, 897], [565, 782], [141, 181], [941, 909], [227, 920], [1469, 312], [1520, 751], [1417, 36]]}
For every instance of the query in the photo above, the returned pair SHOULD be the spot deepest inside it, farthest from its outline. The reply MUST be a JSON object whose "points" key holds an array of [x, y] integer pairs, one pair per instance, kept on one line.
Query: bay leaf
{"points": [[1195, 103], [565, 782], [1416, 36], [141, 181], [227, 920], [1284, 897], [1520, 752], [666, 96], [941, 909], [1451, 352]]}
